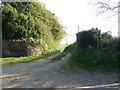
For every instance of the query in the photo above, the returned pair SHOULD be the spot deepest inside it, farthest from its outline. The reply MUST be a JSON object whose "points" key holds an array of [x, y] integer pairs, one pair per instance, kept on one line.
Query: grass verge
{"points": [[59, 56], [13, 60], [90, 62]]}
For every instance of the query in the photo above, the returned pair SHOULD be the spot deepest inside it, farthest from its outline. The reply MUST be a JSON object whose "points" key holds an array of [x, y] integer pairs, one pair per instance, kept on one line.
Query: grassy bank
{"points": [[61, 55], [13, 60], [102, 54], [90, 60], [68, 49]]}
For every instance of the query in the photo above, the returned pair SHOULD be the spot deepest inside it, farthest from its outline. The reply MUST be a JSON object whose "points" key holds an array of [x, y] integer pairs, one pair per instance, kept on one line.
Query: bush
{"points": [[89, 55], [61, 55], [70, 48], [31, 21]]}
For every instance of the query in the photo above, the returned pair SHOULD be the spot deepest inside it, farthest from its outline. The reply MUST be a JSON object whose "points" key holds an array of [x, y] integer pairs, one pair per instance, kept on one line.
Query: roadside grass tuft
{"points": [[13, 60], [103, 58], [20, 59], [59, 56], [89, 61]]}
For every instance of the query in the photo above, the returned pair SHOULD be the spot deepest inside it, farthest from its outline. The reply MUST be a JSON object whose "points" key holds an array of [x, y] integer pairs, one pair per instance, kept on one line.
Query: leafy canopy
{"points": [[31, 21]]}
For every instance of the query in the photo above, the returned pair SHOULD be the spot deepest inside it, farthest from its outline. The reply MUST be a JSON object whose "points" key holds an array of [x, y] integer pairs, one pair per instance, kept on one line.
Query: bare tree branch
{"points": [[106, 6]]}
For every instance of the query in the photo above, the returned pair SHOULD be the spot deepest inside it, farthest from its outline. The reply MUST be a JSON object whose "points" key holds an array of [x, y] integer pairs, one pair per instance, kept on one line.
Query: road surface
{"points": [[44, 74]]}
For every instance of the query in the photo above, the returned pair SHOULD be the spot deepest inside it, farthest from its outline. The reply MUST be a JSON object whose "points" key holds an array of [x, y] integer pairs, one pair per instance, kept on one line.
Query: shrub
{"points": [[95, 53], [31, 21]]}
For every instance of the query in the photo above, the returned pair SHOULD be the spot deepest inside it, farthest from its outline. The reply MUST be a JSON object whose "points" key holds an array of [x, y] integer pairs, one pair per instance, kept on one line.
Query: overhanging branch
{"points": [[107, 6]]}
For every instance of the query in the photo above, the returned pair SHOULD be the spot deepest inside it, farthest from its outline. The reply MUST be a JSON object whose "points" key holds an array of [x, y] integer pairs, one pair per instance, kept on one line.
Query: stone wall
{"points": [[20, 48]]}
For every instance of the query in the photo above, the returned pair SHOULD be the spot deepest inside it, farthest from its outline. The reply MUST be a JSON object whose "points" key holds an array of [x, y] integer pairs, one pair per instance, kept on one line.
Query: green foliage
{"points": [[58, 57], [13, 60], [70, 48], [87, 39], [31, 21], [90, 60], [105, 39], [62, 46], [104, 54]]}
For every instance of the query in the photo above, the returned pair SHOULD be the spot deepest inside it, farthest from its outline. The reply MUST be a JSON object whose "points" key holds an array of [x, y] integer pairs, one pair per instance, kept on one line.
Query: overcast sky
{"points": [[74, 13]]}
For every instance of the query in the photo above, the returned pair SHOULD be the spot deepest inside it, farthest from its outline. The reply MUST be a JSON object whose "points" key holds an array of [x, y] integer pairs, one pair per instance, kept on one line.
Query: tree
{"points": [[107, 6], [22, 19], [31, 21]]}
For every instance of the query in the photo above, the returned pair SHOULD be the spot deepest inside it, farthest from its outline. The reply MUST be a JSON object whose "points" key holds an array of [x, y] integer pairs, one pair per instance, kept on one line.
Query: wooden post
{"points": [[98, 43], [78, 28]]}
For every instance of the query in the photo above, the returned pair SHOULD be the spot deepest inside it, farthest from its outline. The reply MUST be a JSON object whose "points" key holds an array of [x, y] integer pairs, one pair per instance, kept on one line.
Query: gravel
{"points": [[44, 74]]}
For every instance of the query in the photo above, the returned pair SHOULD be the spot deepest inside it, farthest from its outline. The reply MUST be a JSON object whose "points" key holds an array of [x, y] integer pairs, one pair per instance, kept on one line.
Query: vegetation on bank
{"points": [[58, 57], [94, 50], [13, 60], [32, 22], [68, 49]]}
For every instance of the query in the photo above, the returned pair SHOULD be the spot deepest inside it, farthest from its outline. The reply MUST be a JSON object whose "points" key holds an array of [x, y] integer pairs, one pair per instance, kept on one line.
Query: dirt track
{"points": [[43, 73]]}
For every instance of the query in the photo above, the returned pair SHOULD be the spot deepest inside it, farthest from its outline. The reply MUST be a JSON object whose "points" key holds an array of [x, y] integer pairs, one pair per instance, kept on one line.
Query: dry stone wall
{"points": [[20, 48]]}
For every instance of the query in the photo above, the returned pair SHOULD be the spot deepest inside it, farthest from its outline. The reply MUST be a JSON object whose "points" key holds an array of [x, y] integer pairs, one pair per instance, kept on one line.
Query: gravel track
{"points": [[44, 74]]}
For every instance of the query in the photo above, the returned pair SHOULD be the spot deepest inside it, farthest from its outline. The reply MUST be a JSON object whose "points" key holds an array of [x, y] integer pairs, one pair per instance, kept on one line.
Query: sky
{"points": [[74, 13]]}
